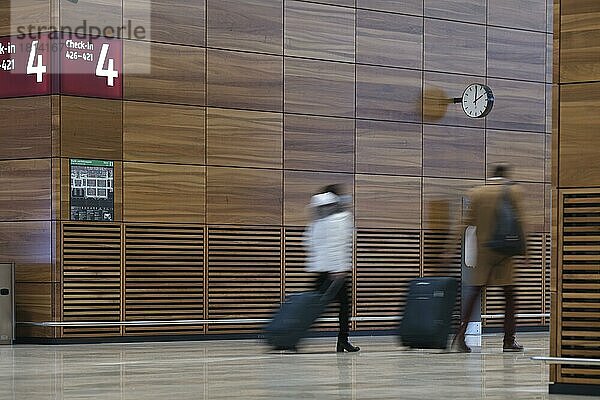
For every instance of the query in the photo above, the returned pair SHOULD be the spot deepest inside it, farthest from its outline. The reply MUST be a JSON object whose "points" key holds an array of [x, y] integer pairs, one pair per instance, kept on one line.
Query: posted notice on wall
{"points": [[92, 190]]}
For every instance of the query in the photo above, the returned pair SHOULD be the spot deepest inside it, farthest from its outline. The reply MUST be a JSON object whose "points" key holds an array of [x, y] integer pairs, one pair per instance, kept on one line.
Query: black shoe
{"points": [[459, 345], [282, 348], [512, 347], [346, 346]]}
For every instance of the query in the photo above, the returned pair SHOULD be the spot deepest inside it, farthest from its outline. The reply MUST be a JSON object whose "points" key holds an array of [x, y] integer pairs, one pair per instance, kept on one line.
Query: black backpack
{"points": [[508, 237]]}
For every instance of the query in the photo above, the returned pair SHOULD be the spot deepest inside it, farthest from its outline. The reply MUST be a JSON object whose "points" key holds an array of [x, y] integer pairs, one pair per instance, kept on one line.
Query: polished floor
{"points": [[246, 370]]}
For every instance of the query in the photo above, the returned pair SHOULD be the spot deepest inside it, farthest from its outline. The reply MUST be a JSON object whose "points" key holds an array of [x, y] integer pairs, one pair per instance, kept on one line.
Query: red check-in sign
{"points": [[61, 63]]}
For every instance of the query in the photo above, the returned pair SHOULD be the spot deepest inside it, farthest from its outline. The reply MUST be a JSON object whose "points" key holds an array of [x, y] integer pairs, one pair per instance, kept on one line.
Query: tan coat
{"points": [[491, 269]]}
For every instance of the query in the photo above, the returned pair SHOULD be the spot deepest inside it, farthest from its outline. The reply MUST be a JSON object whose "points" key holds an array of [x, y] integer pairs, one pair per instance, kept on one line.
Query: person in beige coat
{"points": [[492, 268]]}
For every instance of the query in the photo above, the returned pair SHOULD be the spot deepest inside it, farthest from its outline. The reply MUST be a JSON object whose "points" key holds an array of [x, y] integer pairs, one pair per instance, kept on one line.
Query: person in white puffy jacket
{"points": [[328, 239]]}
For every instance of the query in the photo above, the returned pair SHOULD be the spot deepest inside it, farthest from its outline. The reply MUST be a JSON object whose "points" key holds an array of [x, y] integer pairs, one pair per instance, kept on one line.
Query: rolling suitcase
{"points": [[296, 315], [427, 316]]}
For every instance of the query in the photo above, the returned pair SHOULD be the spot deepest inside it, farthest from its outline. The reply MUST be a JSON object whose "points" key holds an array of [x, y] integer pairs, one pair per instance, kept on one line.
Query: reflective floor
{"points": [[245, 369]]}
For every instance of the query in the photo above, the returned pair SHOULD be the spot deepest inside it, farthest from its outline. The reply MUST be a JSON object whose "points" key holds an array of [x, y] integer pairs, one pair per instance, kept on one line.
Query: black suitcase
{"points": [[296, 315], [427, 316]]}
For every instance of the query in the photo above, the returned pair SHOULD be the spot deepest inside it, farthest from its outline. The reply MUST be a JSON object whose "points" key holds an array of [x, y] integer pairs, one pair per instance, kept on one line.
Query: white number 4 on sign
{"points": [[110, 72], [40, 68]]}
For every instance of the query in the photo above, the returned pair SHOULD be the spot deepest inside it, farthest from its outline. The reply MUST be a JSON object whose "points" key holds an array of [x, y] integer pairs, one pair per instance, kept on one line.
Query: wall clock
{"points": [[477, 100]]}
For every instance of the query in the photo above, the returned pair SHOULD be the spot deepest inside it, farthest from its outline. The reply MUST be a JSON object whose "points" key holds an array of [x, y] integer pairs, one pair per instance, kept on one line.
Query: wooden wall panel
{"points": [[439, 90], [531, 14], [454, 47], [163, 133], [33, 301], [299, 186], [523, 151], [29, 246], [251, 25], [22, 13], [389, 39], [91, 128], [25, 134], [514, 54], [176, 74], [167, 21], [579, 33], [319, 143], [453, 193], [388, 93], [393, 148], [244, 80], [388, 202], [522, 108], [319, 31], [347, 3], [533, 204], [396, 6], [26, 192], [163, 193], [260, 132], [319, 87], [579, 161], [457, 10], [237, 256], [453, 152], [102, 14], [244, 196]]}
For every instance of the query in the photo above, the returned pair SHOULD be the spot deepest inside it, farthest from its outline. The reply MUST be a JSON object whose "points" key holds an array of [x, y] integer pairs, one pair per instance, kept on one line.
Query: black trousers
{"points": [[509, 312], [322, 284]]}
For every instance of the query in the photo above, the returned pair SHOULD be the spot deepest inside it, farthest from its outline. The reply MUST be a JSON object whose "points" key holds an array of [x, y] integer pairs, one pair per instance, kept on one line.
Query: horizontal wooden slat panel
{"points": [[164, 276], [579, 286], [296, 278], [91, 277], [528, 281], [386, 261], [244, 275]]}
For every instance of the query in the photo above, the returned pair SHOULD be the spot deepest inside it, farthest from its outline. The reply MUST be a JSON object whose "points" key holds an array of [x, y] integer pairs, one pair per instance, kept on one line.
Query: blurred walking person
{"points": [[496, 212], [328, 239]]}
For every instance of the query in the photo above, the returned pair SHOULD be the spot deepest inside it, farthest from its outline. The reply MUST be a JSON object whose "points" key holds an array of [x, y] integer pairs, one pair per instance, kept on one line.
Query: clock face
{"points": [[477, 100]]}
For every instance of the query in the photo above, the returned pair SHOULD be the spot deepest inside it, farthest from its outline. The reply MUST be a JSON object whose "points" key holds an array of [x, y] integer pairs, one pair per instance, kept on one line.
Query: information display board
{"points": [[92, 190], [61, 63]]}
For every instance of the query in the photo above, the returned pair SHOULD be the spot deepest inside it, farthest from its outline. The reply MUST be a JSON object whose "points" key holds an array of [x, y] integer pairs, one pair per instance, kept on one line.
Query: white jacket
{"points": [[329, 243]]}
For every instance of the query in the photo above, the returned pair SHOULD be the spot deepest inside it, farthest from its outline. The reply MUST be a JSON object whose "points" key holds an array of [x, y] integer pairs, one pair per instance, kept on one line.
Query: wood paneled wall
{"points": [[575, 283], [247, 108]]}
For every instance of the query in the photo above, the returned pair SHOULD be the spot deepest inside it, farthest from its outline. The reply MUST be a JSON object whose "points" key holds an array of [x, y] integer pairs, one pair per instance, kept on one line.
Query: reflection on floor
{"points": [[245, 369]]}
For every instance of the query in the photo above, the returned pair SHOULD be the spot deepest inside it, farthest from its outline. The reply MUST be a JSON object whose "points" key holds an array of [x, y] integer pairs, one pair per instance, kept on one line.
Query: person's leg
{"points": [[459, 340], [343, 298], [510, 325]]}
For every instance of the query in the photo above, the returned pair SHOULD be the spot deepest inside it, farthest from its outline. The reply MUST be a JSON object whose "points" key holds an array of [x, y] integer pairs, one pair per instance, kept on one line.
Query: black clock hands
{"points": [[476, 98]]}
